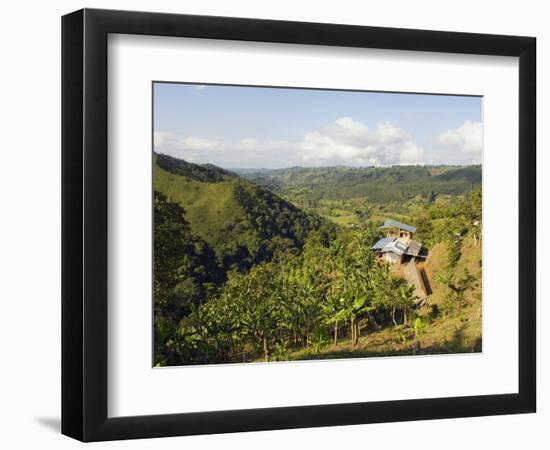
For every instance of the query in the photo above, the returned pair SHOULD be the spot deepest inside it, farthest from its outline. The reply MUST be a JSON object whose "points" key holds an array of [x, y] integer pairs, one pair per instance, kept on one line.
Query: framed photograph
{"points": [[272, 224]]}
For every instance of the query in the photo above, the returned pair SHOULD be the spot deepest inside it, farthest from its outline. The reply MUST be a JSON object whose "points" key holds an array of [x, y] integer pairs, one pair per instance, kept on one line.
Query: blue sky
{"points": [[257, 127]]}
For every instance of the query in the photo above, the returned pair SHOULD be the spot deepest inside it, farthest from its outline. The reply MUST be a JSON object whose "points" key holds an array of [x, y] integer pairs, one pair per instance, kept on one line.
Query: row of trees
{"points": [[333, 288]]}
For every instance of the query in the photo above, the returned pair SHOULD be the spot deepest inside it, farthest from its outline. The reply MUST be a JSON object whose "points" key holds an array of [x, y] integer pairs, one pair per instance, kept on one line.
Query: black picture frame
{"points": [[84, 224]]}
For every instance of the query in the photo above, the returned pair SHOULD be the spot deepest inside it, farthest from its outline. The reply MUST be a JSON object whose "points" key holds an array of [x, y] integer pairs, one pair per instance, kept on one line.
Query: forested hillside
{"points": [[208, 223], [375, 184], [243, 222], [350, 195], [267, 270]]}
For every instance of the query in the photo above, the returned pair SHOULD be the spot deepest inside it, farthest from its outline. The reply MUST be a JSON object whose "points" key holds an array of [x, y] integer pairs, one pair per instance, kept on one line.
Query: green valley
{"points": [[271, 265]]}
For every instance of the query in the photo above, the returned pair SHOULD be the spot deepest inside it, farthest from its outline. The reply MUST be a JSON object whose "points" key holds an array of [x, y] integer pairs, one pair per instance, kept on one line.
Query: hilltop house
{"points": [[398, 246]]}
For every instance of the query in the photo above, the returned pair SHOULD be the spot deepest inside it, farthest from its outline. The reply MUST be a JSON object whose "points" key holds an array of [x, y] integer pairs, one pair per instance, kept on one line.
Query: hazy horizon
{"points": [[340, 166]]}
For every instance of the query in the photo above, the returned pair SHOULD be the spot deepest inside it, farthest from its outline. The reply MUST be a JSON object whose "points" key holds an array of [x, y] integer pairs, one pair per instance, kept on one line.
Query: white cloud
{"points": [[197, 143], [468, 138], [349, 142], [200, 87], [249, 143], [391, 134], [161, 137], [342, 142]]}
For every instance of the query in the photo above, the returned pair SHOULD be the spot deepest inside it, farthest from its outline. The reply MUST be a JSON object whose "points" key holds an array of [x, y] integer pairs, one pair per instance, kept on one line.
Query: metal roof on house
{"points": [[396, 247], [413, 248], [399, 246], [390, 223], [382, 243]]}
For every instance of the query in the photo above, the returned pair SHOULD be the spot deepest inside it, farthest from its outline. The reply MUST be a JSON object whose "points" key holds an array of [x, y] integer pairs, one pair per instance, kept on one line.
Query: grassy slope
{"points": [[209, 207], [459, 332], [235, 216]]}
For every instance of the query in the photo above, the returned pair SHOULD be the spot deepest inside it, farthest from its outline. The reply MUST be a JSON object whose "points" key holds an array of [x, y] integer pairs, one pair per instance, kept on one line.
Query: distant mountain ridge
{"points": [[377, 184]]}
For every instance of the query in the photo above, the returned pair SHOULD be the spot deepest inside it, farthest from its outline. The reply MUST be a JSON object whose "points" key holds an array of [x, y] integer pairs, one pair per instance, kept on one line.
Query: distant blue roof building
{"points": [[390, 223]]}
